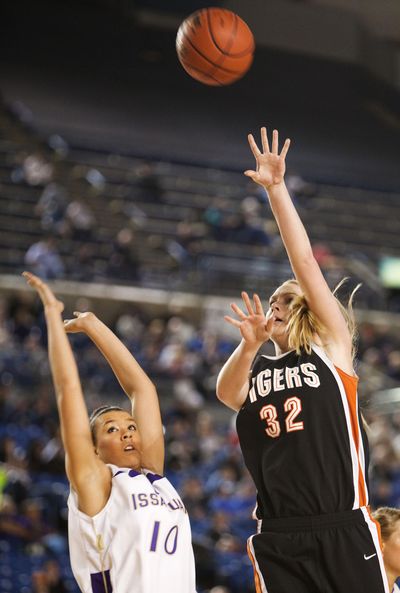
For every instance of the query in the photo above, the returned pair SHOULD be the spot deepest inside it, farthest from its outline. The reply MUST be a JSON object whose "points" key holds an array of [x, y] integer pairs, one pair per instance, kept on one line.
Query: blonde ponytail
{"points": [[303, 324]]}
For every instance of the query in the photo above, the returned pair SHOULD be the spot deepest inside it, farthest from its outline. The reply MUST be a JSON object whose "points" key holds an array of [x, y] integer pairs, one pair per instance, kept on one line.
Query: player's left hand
{"points": [[271, 165]]}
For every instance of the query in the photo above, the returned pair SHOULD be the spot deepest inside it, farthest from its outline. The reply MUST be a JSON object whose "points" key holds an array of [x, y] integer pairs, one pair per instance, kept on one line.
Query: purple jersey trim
{"points": [[101, 582], [153, 477], [131, 473]]}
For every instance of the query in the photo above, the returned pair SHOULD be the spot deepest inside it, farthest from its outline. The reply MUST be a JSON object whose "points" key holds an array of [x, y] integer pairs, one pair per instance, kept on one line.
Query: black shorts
{"points": [[338, 553]]}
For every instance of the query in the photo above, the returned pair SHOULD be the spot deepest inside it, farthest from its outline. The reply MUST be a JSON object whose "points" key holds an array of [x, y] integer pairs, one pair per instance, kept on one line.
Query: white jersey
{"points": [[140, 542], [396, 589]]}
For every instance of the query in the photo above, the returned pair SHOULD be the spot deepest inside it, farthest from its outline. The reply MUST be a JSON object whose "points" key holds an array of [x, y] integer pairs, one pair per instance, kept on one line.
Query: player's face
{"points": [[391, 551], [118, 440], [279, 304]]}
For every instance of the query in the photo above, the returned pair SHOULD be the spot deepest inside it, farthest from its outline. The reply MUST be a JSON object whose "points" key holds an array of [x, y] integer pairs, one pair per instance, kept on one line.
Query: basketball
{"points": [[215, 46]]}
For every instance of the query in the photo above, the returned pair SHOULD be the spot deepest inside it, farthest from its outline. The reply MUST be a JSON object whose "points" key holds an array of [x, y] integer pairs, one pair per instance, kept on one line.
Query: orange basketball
{"points": [[215, 46]]}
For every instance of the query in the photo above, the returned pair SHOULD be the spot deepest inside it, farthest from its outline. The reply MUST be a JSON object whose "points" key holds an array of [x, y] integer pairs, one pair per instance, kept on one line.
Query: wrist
{"points": [[90, 322], [250, 349], [275, 186], [51, 308]]}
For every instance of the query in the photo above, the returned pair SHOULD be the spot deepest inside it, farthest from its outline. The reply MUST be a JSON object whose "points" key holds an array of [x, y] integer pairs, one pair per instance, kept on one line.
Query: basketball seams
{"points": [[202, 72], [214, 64], [225, 52], [199, 40]]}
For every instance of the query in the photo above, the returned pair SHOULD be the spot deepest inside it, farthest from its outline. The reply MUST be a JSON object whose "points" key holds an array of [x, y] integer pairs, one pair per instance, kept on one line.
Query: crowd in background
{"points": [[203, 458], [202, 455]]}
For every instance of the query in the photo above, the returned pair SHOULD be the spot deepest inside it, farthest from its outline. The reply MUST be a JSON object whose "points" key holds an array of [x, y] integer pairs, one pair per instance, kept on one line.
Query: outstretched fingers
{"points": [[247, 302], [253, 145], [258, 305], [264, 139], [275, 142], [252, 174], [232, 321], [238, 311], [31, 278], [44, 291], [285, 148]]}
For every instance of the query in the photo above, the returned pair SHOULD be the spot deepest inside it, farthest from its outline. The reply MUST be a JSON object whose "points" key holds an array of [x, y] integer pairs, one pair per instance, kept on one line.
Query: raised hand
{"points": [[271, 165], [44, 291], [80, 323], [255, 327]]}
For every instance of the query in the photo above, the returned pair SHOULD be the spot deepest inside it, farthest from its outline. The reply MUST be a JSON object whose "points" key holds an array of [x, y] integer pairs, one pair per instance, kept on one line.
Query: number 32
{"points": [[270, 415]]}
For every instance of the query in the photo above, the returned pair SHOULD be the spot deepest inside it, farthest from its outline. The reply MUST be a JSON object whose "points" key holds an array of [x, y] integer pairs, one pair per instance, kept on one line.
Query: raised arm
{"points": [[89, 476], [255, 329], [270, 174], [135, 383]]}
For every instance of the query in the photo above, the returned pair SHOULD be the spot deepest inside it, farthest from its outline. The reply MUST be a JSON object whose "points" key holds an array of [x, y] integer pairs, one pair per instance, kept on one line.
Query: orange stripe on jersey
{"points": [[378, 525], [350, 386], [256, 575]]}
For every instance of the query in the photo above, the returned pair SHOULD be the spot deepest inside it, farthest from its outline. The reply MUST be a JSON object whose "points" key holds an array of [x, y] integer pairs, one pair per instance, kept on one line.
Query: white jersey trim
{"points": [[277, 356], [357, 459], [375, 538]]}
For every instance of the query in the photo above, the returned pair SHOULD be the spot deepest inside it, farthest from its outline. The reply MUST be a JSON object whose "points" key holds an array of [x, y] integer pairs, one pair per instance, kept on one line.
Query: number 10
{"points": [[171, 540]]}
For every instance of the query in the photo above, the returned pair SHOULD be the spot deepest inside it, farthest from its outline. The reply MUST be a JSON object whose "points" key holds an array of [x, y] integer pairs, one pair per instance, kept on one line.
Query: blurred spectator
{"points": [[196, 501], [13, 528], [254, 227], [124, 262], [51, 208], [188, 243], [43, 259], [81, 220], [84, 267], [48, 579], [147, 182], [37, 170]]}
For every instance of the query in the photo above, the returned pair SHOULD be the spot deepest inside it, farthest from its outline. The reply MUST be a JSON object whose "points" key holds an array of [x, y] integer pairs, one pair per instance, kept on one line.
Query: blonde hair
{"points": [[387, 518], [303, 324]]}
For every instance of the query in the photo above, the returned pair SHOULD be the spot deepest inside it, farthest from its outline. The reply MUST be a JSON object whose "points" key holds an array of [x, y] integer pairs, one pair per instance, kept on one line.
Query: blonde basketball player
{"points": [[299, 423], [129, 531]]}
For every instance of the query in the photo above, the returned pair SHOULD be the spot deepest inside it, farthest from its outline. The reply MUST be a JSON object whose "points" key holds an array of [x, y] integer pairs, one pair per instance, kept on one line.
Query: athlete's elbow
{"points": [[225, 396], [220, 389], [220, 394]]}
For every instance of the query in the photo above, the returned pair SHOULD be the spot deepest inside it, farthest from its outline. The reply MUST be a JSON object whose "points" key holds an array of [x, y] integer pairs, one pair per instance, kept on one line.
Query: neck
{"points": [[281, 348], [279, 351]]}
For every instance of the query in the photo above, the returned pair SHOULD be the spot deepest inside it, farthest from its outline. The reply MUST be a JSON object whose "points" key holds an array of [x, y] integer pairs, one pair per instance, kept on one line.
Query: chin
{"points": [[133, 462]]}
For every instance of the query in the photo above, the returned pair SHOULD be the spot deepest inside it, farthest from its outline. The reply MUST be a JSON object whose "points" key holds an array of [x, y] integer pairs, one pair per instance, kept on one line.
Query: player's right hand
{"points": [[80, 323], [255, 327]]}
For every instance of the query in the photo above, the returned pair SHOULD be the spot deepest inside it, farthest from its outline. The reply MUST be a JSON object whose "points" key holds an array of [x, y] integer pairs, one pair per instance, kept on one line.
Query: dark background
{"points": [[91, 72]]}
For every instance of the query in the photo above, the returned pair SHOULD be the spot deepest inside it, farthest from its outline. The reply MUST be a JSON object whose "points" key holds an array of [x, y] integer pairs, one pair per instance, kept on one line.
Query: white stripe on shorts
{"points": [[375, 537]]}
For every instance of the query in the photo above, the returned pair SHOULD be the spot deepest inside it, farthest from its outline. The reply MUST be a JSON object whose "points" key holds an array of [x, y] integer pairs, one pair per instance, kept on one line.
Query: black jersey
{"points": [[302, 438]]}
